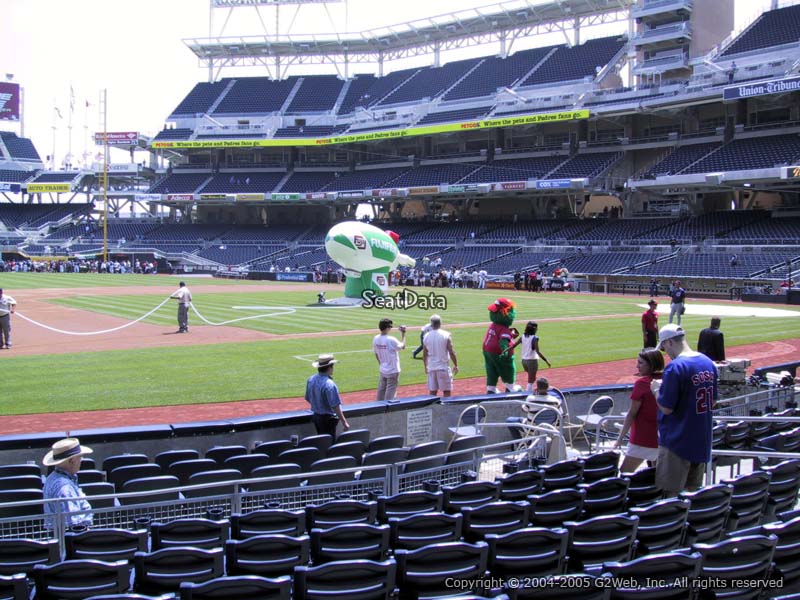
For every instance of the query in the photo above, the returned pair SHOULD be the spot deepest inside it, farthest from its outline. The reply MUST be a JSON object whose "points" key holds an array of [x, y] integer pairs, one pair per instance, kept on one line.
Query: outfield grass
{"points": [[271, 369], [33, 281]]}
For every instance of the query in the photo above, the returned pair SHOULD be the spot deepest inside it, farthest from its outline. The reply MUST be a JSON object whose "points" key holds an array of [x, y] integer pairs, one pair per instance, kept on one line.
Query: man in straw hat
{"points": [[62, 483], [323, 395]]}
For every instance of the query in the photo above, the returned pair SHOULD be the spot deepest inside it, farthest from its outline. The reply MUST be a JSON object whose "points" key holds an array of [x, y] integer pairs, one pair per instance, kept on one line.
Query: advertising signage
{"points": [[790, 173], [9, 101], [510, 121], [553, 184], [38, 188], [117, 138], [761, 88]]}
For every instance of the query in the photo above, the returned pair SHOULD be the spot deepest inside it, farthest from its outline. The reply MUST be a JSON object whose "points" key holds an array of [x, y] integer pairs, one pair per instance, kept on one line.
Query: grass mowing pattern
{"points": [[269, 369]]}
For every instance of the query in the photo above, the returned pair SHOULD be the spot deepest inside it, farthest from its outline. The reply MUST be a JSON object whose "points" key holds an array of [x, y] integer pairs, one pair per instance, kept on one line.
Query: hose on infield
{"points": [[283, 310], [113, 329]]}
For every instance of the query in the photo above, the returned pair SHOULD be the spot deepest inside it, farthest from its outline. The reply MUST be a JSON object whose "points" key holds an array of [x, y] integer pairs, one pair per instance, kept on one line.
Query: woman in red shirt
{"points": [[642, 418]]}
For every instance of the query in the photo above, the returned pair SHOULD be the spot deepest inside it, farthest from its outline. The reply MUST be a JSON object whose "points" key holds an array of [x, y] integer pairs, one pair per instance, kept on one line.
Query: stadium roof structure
{"points": [[503, 22]]}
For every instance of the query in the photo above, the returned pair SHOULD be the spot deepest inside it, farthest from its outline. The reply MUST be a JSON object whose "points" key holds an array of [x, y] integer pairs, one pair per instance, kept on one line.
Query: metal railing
{"points": [[136, 510]]}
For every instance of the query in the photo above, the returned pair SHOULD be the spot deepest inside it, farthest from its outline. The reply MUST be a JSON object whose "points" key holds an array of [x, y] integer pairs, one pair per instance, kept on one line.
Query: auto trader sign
{"points": [[761, 88]]}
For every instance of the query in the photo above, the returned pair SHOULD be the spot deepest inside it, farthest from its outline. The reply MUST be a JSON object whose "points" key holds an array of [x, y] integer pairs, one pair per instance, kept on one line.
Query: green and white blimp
{"points": [[367, 254]]}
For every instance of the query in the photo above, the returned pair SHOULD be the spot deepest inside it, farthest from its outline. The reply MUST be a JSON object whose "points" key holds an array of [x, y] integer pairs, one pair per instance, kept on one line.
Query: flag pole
{"points": [[104, 99], [69, 125]]}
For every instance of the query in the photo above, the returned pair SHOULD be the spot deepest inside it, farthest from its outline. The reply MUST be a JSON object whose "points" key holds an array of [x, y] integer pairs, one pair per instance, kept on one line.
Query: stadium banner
{"points": [[383, 192], [423, 191], [790, 172], [761, 88], [284, 196], [9, 101], [316, 196], [500, 285], [293, 276], [389, 134], [38, 188], [249, 197], [352, 194], [510, 185], [180, 197], [124, 168], [215, 198], [117, 138], [10, 187], [147, 197], [554, 184]]}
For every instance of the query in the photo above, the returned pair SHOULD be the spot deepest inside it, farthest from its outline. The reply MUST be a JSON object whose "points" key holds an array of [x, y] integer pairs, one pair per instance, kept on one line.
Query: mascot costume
{"points": [[367, 254], [498, 352]]}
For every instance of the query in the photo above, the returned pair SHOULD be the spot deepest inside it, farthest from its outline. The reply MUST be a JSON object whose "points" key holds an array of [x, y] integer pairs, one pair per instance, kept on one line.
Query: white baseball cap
{"points": [[667, 332]]}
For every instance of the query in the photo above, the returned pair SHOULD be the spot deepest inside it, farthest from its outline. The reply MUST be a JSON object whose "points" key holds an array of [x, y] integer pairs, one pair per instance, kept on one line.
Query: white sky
{"points": [[134, 49]]}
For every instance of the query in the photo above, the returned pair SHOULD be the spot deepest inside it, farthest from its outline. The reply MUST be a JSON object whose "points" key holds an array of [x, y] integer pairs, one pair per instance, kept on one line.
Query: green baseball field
{"points": [[76, 349]]}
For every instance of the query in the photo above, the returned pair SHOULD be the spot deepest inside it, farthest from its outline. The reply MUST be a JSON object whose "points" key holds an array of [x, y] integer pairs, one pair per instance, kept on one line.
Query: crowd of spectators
{"points": [[79, 266]]}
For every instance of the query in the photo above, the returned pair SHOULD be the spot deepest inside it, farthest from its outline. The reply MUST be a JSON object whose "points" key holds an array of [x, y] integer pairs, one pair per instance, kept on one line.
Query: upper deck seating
{"points": [[496, 72], [430, 82], [317, 93], [19, 147], [569, 64], [255, 95], [773, 28], [200, 99]]}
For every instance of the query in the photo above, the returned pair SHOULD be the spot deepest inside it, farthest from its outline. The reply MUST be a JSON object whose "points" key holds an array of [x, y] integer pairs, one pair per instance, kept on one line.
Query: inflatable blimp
{"points": [[367, 254]]}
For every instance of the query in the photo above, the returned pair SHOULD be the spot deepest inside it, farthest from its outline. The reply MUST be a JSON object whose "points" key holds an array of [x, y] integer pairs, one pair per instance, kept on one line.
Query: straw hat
{"points": [[63, 450], [324, 361]]}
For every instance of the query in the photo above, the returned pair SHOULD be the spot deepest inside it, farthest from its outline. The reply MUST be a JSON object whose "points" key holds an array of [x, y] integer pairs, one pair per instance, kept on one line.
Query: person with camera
{"points": [[387, 353]]}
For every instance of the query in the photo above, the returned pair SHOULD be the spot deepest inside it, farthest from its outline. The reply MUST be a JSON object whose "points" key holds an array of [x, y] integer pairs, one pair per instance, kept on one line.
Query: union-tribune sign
{"points": [[761, 88]]}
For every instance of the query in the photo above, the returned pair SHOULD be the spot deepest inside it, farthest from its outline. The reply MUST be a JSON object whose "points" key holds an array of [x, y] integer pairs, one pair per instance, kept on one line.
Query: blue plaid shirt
{"points": [[60, 484], [323, 394]]}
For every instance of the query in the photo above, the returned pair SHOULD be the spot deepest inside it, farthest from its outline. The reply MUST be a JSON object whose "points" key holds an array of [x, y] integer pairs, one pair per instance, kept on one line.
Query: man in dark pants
{"points": [[650, 325], [711, 341], [184, 298], [323, 395]]}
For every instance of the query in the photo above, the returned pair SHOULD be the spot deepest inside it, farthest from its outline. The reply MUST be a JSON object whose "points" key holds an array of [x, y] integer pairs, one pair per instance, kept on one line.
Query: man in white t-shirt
{"points": [[436, 355], [7, 307], [184, 298], [387, 350]]}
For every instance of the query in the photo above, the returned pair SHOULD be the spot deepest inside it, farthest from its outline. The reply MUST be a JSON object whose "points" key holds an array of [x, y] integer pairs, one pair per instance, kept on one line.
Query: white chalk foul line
{"points": [[309, 358]]}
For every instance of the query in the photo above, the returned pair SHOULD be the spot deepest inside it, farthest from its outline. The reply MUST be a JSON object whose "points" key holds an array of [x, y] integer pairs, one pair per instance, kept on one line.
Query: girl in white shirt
{"points": [[531, 353]]}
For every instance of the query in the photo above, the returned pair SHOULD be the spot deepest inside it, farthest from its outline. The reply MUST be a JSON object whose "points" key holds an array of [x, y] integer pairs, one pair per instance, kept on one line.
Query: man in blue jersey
{"points": [[686, 398]]}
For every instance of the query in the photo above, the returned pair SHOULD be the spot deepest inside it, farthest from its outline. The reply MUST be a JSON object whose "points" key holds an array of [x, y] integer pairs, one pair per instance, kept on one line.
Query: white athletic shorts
{"points": [[440, 380]]}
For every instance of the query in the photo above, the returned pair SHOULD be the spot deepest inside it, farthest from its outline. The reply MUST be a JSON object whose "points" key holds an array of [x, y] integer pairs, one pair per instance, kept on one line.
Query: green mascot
{"points": [[498, 352]]}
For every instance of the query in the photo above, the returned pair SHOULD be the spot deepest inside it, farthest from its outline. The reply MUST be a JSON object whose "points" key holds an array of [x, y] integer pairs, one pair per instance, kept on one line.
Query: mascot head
{"points": [[502, 312]]}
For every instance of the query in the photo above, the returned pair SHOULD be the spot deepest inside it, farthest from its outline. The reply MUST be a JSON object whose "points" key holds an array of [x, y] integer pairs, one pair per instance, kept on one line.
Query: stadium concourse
{"points": [[32, 340]]}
